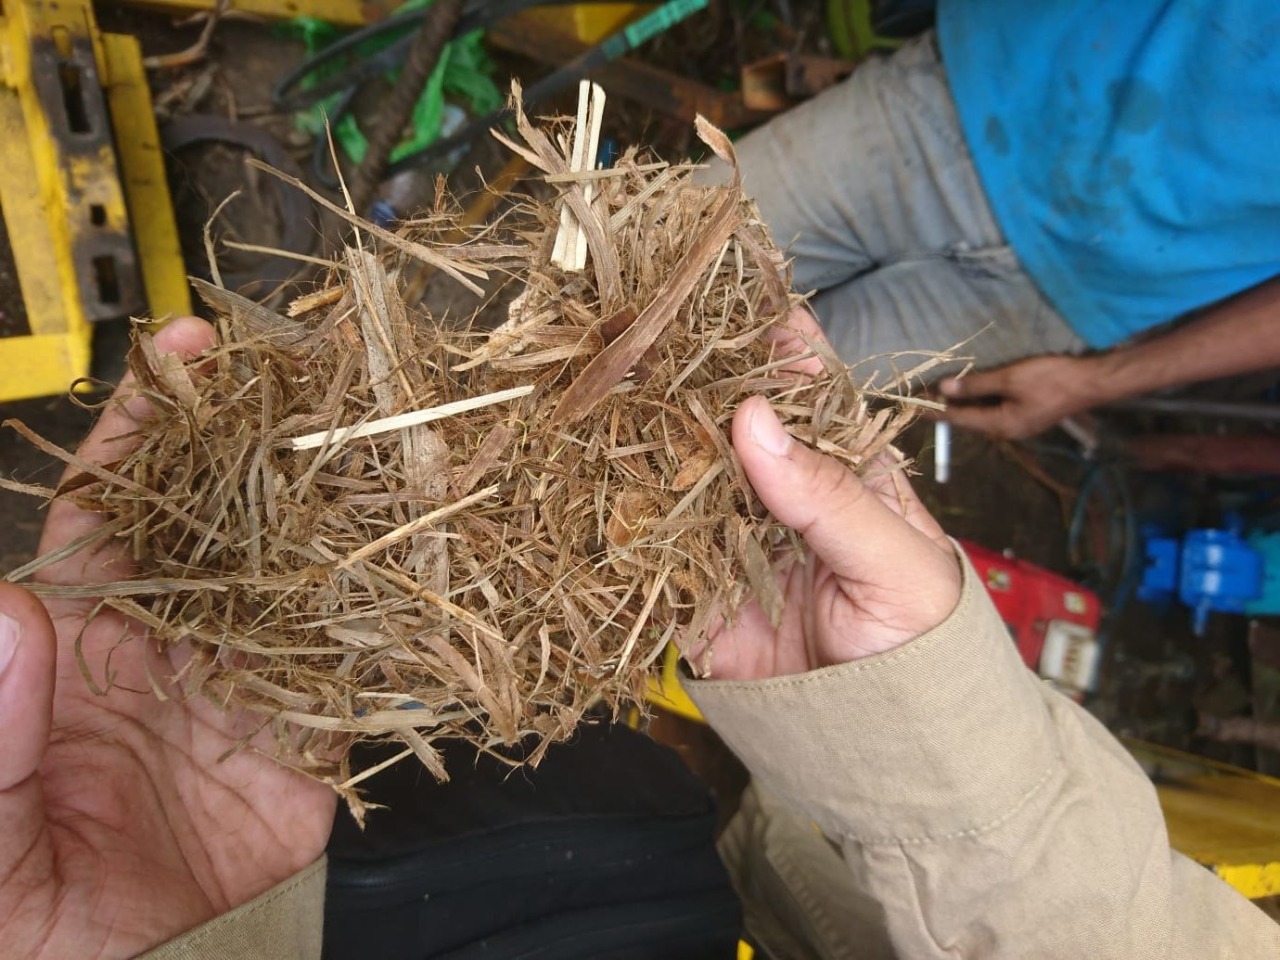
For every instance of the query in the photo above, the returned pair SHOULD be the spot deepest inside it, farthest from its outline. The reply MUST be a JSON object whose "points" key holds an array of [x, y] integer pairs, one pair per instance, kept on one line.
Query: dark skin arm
{"points": [[1236, 336]]}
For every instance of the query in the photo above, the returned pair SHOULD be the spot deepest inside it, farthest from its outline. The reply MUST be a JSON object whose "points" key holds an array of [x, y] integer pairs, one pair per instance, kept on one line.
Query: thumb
{"points": [[844, 523], [27, 658]]}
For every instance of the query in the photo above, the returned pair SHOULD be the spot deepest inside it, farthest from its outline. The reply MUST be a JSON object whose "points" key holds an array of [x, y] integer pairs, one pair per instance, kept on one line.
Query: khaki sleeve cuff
{"points": [[946, 735], [285, 923]]}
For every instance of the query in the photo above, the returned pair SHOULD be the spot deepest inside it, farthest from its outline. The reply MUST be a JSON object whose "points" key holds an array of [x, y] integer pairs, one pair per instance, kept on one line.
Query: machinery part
{"points": [[1053, 621], [67, 195], [142, 172], [1260, 733], [297, 213], [1257, 453], [1220, 816], [53, 67], [1208, 570], [424, 53], [604, 62], [634, 80], [344, 13], [1218, 409]]}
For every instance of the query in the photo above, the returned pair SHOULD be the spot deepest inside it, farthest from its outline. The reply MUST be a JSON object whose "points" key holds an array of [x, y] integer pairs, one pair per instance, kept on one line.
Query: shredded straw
{"points": [[364, 524]]}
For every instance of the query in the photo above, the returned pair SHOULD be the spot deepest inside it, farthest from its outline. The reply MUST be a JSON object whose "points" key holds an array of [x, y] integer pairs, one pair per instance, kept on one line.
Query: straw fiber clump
{"points": [[491, 573]]}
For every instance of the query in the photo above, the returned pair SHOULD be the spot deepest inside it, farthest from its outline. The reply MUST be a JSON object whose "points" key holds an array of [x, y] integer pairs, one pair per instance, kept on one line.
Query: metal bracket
{"points": [[83, 171]]}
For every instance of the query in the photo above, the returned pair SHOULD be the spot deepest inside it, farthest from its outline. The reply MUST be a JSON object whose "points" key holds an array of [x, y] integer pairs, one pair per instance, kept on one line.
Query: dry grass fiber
{"points": [[523, 549]]}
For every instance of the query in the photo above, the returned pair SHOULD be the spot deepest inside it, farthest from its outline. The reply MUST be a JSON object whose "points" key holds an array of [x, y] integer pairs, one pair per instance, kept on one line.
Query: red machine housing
{"points": [[1053, 621]]}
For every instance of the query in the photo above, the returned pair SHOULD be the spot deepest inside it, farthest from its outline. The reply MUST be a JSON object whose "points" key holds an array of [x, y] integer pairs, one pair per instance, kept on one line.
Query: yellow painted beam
{"points": [[665, 692], [84, 195], [30, 231], [42, 366], [1221, 816], [146, 187], [345, 13]]}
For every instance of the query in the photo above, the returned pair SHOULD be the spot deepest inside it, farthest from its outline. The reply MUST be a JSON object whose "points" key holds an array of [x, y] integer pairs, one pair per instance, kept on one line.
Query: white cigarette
{"points": [[941, 451]]}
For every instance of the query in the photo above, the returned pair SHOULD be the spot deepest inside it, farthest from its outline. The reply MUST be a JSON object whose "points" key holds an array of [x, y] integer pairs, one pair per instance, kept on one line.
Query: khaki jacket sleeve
{"points": [[967, 809], [285, 923]]}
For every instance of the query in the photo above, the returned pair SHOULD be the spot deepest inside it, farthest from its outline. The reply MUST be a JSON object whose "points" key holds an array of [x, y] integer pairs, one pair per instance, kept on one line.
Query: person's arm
{"points": [[129, 818], [1239, 335], [986, 815]]}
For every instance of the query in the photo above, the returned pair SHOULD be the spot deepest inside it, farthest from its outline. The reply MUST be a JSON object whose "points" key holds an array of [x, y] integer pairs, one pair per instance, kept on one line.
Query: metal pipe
{"points": [[1258, 412]]}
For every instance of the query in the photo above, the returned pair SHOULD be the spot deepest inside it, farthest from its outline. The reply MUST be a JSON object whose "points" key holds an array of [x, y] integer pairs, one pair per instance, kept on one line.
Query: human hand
{"points": [[878, 570], [1023, 398], [123, 824]]}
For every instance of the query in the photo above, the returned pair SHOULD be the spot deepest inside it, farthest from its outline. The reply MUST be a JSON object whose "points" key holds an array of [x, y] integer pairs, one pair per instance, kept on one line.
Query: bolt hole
{"points": [[104, 271], [72, 80]]}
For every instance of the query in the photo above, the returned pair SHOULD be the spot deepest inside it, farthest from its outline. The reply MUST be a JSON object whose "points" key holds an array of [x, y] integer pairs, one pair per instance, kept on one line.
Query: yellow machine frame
{"points": [[84, 196], [1219, 815]]}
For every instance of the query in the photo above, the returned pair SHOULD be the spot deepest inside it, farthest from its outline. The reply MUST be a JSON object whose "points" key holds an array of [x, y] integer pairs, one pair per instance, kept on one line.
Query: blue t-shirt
{"points": [[1130, 149]]}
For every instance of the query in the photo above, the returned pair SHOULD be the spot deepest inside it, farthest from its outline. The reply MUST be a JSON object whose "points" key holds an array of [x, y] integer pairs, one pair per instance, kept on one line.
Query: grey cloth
{"points": [[871, 188]]}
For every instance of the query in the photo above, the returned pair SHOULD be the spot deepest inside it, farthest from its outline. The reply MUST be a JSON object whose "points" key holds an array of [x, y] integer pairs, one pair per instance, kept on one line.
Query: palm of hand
{"points": [[867, 608], [139, 819], [146, 833]]}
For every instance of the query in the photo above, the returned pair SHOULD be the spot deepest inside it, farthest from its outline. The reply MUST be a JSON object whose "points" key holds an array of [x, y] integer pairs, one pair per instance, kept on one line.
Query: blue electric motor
{"points": [[1208, 571]]}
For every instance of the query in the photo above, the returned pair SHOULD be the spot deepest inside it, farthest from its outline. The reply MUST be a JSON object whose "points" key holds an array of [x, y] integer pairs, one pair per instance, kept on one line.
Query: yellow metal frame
{"points": [[70, 185], [664, 689], [142, 173], [1223, 817], [343, 13], [587, 22]]}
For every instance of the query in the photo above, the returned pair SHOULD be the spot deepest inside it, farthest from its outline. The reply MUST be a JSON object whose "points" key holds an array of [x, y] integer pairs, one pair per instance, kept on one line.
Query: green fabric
{"points": [[464, 74]]}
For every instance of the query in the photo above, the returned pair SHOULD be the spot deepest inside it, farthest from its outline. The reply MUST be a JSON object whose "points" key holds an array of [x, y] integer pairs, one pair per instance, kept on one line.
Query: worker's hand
{"points": [[123, 825], [877, 571], [1023, 398]]}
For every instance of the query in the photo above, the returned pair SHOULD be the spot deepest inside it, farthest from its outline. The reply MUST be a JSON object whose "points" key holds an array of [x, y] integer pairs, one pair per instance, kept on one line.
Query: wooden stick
{"points": [[566, 236], [570, 251], [589, 163], [411, 419]]}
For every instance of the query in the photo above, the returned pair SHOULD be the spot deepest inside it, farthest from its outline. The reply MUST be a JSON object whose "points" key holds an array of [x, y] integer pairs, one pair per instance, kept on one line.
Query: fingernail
{"points": [[768, 434], [949, 388], [10, 631]]}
